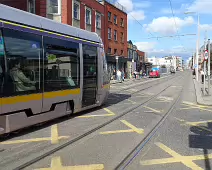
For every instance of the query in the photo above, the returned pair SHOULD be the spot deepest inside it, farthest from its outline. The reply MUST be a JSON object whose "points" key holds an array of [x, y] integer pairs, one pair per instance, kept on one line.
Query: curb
{"points": [[199, 97]]}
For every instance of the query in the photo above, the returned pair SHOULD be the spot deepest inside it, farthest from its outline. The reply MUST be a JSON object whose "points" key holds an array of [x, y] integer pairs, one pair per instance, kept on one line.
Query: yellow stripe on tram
{"points": [[32, 97]]}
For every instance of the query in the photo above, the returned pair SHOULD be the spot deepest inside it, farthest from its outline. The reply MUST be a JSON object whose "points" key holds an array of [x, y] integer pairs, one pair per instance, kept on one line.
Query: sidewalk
{"points": [[127, 80], [202, 99]]}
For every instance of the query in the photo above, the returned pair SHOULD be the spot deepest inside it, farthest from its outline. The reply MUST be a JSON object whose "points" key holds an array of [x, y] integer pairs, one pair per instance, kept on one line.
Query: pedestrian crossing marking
{"points": [[176, 158], [56, 164], [132, 129]]}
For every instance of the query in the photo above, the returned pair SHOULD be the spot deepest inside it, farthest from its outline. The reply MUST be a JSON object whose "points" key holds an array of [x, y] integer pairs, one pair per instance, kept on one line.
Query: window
{"points": [[122, 37], [122, 52], [89, 74], [54, 6], [109, 33], [76, 10], [88, 16], [2, 61], [61, 64], [98, 20], [122, 22], [115, 35], [109, 50], [109, 16], [24, 54], [31, 6], [115, 51], [115, 19]]}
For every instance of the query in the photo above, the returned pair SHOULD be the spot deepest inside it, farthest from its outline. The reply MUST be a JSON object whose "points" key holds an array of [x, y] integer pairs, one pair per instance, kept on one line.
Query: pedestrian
{"points": [[202, 74], [194, 73], [119, 76], [122, 75], [134, 73], [114, 74]]}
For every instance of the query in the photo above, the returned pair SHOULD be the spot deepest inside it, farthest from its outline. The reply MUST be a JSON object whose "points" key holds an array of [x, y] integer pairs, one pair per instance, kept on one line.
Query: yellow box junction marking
{"points": [[110, 113], [164, 99], [154, 110], [131, 101], [195, 106], [56, 164], [195, 124], [132, 129], [54, 138], [176, 158]]}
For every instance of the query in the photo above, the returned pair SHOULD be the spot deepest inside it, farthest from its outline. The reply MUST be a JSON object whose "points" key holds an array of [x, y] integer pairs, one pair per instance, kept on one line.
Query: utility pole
{"points": [[204, 54], [209, 65]]}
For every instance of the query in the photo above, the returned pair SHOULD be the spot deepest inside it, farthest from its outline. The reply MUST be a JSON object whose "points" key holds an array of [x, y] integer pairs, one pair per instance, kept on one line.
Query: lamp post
{"points": [[117, 64], [197, 43]]}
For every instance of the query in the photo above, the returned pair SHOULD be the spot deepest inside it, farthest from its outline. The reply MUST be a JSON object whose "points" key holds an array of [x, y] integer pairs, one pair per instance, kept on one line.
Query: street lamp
{"points": [[117, 64], [197, 43]]}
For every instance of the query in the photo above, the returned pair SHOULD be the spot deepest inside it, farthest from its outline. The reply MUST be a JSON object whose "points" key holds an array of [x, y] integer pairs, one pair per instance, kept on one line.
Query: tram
{"points": [[47, 70]]}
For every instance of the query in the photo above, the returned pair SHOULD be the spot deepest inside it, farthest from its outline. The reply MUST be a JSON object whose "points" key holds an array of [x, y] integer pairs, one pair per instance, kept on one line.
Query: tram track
{"points": [[132, 155], [38, 156]]}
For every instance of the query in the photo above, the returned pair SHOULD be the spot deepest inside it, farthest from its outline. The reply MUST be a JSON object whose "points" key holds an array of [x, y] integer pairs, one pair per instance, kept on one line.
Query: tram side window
{"points": [[23, 52], [2, 68], [89, 61], [61, 64]]}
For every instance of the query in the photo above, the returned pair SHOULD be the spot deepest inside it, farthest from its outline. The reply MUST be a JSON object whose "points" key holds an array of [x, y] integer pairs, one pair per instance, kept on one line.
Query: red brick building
{"points": [[105, 17], [84, 14], [115, 35]]}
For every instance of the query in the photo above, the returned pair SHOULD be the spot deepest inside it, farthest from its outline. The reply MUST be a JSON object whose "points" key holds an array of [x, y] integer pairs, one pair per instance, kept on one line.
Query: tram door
{"points": [[89, 75]]}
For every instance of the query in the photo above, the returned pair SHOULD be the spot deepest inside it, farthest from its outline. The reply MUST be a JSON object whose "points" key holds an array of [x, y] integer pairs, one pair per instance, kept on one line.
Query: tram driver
{"points": [[21, 82]]}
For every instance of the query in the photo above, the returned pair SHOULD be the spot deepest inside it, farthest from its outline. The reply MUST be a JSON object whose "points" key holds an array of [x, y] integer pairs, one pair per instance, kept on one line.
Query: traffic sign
{"points": [[195, 65]]}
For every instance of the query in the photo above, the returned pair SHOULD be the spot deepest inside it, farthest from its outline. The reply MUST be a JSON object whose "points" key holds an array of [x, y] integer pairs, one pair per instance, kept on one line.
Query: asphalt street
{"points": [[158, 126]]}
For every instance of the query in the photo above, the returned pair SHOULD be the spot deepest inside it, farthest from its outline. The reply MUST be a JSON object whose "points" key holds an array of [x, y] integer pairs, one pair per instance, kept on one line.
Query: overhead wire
{"points": [[170, 3]]}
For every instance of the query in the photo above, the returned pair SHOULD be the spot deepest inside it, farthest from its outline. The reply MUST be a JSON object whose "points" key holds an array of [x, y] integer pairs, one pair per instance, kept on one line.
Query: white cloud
{"points": [[166, 25], [128, 4], [143, 4], [145, 46], [138, 15], [206, 27], [201, 6]]}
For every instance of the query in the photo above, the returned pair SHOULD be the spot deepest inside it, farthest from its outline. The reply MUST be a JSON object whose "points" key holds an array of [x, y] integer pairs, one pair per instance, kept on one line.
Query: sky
{"points": [[148, 19]]}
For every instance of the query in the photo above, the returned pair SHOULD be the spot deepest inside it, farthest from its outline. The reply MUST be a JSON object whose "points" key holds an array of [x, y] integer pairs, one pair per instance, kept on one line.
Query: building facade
{"points": [[115, 35], [105, 17]]}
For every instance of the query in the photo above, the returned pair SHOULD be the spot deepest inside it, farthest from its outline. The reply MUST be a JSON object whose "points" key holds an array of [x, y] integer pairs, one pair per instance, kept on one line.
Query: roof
{"points": [[26, 18]]}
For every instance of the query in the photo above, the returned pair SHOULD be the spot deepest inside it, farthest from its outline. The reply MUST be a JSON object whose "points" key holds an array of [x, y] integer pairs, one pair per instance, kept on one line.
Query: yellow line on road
{"points": [[131, 101], [54, 134], [196, 124], [54, 138], [90, 116], [32, 140], [154, 110], [186, 160], [135, 129], [109, 111], [119, 131], [197, 105], [56, 164]]}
